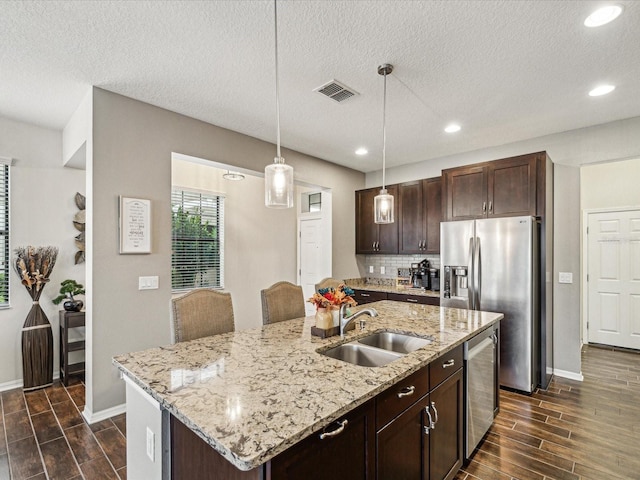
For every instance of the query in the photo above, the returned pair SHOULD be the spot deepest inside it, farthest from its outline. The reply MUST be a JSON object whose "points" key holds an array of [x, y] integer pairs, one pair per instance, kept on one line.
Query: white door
{"points": [[312, 264], [613, 278]]}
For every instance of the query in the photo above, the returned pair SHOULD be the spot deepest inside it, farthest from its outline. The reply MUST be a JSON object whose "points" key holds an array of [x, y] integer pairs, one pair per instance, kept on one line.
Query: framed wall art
{"points": [[135, 225]]}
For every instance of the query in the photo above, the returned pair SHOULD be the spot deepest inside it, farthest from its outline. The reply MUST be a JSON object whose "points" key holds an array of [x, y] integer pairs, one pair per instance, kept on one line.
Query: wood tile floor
{"points": [[586, 430], [575, 431], [44, 436]]}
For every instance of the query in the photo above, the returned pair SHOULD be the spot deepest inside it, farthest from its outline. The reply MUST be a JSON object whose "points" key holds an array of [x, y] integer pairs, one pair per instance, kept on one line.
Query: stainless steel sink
{"points": [[396, 342], [362, 355]]}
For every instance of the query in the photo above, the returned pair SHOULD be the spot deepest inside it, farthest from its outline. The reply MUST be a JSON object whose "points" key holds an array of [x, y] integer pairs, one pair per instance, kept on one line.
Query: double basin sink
{"points": [[377, 349]]}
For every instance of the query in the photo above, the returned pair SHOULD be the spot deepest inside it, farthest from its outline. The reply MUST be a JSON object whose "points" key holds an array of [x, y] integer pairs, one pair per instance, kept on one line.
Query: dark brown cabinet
{"points": [[368, 296], [506, 187], [343, 450], [370, 236], [446, 436], [419, 216], [418, 299]]}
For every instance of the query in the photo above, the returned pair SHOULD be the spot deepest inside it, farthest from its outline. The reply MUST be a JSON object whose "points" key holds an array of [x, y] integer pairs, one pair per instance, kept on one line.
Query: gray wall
{"points": [[603, 143], [130, 154], [42, 210]]}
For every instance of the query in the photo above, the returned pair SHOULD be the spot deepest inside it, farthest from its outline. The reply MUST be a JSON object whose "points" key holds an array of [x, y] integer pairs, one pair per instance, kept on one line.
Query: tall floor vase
{"points": [[37, 350], [33, 265]]}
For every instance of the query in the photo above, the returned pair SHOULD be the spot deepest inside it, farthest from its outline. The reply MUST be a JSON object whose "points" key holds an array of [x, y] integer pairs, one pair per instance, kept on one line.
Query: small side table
{"points": [[70, 320]]}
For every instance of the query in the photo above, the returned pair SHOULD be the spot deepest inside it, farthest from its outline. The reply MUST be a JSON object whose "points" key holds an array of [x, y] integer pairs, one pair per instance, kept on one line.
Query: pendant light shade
{"points": [[278, 177], [278, 184], [383, 204]]}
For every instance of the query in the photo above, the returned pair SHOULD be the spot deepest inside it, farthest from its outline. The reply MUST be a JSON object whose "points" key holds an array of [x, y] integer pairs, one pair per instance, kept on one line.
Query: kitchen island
{"points": [[251, 395]]}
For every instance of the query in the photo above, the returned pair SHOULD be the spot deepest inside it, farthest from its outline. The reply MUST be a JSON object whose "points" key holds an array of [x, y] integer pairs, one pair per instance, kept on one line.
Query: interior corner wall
{"points": [[131, 155], [42, 206]]}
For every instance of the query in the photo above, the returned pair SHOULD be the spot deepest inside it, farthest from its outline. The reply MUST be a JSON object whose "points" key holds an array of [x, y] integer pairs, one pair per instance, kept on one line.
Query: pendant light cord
{"points": [[384, 130], [275, 14]]}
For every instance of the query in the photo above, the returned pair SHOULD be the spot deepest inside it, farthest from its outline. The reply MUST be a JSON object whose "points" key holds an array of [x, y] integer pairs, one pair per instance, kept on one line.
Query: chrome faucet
{"points": [[345, 322]]}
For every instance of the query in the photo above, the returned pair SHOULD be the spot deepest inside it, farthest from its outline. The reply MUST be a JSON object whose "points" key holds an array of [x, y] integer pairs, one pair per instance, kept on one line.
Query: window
{"points": [[4, 235], [197, 240]]}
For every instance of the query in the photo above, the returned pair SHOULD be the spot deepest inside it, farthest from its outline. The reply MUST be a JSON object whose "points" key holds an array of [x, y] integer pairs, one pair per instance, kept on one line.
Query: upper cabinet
{"points": [[419, 216], [500, 188], [370, 236]]}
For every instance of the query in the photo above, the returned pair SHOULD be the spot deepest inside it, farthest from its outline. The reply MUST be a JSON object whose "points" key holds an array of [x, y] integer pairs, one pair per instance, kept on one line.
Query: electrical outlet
{"points": [[370, 268], [151, 444], [383, 270]]}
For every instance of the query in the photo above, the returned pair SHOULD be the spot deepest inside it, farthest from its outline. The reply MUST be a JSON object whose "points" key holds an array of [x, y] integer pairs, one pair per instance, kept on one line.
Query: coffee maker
{"points": [[420, 274]]}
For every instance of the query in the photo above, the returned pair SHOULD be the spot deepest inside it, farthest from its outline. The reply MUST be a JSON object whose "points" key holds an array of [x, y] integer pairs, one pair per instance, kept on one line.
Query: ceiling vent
{"points": [[336, 91]]}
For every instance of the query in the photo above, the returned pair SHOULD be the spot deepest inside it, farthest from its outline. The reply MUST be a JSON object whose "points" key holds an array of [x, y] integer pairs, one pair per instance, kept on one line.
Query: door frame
{"points": [[325, 215], [584, 314]]}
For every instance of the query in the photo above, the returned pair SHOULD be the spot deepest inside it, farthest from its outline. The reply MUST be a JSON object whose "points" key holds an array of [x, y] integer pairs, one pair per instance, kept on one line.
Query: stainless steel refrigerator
{"points": [[493, 265]]}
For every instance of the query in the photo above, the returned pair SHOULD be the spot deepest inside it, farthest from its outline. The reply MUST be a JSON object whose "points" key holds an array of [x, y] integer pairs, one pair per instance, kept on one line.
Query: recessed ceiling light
{"points": [[602, 90], [362, 151], [603, 15], [452, 128]]}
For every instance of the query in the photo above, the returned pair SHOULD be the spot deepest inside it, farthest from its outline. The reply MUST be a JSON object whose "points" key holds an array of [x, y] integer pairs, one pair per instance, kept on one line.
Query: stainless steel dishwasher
{"points": [[481, 386]]}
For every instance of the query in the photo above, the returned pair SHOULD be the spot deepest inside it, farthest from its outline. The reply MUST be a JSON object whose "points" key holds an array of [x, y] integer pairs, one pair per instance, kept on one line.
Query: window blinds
{"points": [[4, 235], [197, 240]]}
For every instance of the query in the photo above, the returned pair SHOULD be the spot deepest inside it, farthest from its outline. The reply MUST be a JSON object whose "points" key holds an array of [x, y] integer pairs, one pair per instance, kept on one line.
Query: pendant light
{"points": [[278, 177], [383, 203]]}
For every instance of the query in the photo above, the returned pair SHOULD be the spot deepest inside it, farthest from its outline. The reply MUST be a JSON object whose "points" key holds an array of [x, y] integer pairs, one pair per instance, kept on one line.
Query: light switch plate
{"points": [[370, 268], [383, 270], [148, 283], [565, 277]]}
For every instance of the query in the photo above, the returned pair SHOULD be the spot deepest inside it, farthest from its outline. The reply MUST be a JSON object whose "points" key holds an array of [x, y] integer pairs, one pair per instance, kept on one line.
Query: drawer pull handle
{"points": [[365, 295], [412, 300], [449, 363], [406, 391], [336, 432]]}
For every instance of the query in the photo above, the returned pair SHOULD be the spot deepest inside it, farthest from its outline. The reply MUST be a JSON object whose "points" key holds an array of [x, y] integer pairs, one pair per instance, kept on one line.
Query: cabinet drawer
{"points": [[394, 400], [368, 296], [401, 297], [445, 366]]}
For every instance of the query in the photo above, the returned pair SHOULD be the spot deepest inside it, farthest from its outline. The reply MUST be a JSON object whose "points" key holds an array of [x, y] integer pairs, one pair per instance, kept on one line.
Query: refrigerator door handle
{"points": [[477, 270], [470, 283]]}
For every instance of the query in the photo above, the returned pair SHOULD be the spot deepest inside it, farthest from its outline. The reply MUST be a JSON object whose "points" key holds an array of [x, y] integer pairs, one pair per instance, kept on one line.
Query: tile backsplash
{"points": [[391, 264]]}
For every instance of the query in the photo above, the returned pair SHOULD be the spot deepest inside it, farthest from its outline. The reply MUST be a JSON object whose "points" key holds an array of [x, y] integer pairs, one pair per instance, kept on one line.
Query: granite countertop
{"points": [[252, 394], [384, 285]]}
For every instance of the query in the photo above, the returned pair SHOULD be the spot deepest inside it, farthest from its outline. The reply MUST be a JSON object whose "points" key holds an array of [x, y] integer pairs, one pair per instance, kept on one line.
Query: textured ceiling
{"points": [[505, 70]]}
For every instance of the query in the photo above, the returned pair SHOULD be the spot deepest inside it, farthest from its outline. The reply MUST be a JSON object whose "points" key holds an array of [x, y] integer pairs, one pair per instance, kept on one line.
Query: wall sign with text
{"points": [[135, 225]]}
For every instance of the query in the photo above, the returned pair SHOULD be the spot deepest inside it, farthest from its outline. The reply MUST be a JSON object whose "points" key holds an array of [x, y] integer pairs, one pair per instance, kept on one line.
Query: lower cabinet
{"points": [[345, 450], [424, 441], [445, 438]]}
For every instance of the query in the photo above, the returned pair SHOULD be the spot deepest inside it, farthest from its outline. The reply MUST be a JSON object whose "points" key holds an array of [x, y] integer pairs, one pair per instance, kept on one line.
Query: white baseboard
{"points": [[19, 383], [11, 385], [569, 375], [92, 417]]}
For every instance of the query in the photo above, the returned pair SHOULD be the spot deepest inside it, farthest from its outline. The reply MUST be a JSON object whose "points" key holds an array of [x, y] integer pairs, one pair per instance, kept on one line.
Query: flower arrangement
{"points": [[333, 297]]}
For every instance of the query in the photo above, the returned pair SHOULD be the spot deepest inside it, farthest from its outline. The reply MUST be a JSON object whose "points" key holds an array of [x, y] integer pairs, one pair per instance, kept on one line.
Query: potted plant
{"points": [[68, 289]]}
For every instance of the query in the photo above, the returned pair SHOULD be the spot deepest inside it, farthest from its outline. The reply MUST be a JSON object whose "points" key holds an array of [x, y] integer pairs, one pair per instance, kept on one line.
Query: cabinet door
{"points": [[388, 233], [432, 192], [512, 186], [466, 189], [400, 446], [445, 439], [346, 452], [411, 218], [366, 229]]}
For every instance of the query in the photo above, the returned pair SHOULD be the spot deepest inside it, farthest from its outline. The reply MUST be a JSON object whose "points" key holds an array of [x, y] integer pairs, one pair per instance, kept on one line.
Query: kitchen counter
{"points": [[254, 393]]}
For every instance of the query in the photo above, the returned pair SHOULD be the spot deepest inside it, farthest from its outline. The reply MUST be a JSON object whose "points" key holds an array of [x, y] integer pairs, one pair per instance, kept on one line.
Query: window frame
{"points": [[179, 197]]}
